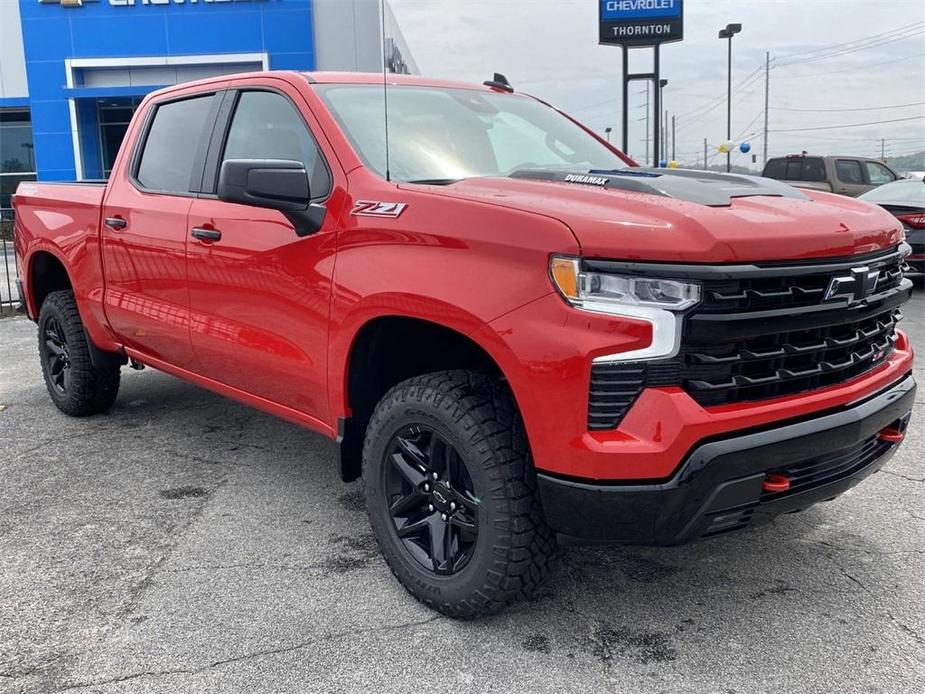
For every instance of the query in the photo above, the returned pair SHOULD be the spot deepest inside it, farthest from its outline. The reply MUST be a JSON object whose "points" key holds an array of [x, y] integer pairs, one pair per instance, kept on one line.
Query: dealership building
{"points": [[73, 71]]}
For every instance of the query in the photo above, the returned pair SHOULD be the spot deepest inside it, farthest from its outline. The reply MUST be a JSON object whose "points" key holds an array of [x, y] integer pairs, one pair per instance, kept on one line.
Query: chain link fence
{"points": [[9, 268]]}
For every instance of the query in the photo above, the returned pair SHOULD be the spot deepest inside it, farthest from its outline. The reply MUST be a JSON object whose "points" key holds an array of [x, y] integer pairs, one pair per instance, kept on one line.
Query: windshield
{"points": [[443, 135], [900, 191]]}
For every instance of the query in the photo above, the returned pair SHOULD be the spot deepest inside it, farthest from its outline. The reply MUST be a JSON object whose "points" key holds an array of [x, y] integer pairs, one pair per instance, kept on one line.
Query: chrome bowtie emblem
{"points": [[854, 287]]}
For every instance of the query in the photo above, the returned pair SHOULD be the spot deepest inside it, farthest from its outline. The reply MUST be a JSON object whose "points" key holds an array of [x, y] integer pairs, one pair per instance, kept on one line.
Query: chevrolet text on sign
{"points": [[641, 22]]}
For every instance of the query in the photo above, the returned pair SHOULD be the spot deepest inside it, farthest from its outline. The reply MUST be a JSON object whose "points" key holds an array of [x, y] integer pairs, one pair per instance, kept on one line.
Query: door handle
{"points": [[206, 234], [116, 223]]}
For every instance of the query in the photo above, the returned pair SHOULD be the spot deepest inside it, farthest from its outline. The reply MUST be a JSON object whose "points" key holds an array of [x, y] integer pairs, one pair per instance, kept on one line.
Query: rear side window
{"points": [[266, 125], [776, 168], [170, 148], [878, 174], [849, 171], [813, 169]]}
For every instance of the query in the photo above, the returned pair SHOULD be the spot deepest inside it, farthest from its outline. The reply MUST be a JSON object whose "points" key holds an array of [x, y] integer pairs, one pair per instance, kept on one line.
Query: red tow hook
{"points": [[892, 435], [774, 482]]}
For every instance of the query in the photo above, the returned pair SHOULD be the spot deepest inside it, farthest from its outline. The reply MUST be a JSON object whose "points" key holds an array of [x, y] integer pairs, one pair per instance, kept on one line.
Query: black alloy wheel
{"points": [[431, 499], [77, 387], [451, 493], [57, 356]]}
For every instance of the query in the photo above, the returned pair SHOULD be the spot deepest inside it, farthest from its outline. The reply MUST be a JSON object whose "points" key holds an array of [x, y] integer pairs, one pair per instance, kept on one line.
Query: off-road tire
{"points": [[91, 390], [514, 548]]}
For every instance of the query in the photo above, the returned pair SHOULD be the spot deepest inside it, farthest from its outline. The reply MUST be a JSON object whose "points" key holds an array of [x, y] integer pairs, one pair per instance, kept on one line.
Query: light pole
{"points": [[727, 33], [661, 99], [607, 132]]}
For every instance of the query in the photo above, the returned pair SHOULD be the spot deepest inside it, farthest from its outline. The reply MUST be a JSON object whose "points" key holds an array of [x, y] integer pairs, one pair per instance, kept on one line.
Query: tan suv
{"points": [[844, 175]]}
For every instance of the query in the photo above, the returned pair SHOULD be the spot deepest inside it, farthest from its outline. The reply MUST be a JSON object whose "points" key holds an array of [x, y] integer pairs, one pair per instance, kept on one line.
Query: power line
{"points": [[891, 61], [853, 41], [848, 125], [740, 97], [832, 50], [837, 54], [717, 101], [840, 110]]}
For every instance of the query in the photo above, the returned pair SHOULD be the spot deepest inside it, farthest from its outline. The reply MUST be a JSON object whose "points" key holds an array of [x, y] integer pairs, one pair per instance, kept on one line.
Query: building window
{"points": [[114, 116], [17, 155]]}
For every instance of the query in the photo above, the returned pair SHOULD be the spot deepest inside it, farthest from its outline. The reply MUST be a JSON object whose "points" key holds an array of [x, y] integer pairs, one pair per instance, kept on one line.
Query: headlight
{"points": [[597, 291], [656, 300]]}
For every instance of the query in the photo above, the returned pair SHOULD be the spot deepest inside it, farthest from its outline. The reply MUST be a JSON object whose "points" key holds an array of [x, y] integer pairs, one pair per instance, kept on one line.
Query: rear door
{"points": [[144, 232], [260, 294]]}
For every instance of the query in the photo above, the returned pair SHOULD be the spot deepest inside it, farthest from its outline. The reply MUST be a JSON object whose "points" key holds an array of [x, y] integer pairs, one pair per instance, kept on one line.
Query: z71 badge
{"points": [[372, 208]]}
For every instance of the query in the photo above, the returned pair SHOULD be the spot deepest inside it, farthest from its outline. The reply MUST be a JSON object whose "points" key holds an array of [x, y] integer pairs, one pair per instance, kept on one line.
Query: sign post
{"points": [[640, 24]]}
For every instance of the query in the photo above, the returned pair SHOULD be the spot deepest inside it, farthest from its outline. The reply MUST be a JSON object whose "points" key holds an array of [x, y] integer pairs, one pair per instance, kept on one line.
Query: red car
{"points": [[513, 332]]}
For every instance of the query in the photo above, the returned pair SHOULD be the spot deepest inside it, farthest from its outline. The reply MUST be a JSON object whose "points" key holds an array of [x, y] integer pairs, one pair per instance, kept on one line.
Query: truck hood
{"points": [[690, 216]]}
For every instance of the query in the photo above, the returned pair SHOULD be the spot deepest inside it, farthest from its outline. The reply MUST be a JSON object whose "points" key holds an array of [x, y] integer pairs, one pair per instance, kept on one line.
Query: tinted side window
{"points": [[813, 169], [776, 168], [267, 126], [794, 170], [878, 174], [849, 171], [173, 139]]}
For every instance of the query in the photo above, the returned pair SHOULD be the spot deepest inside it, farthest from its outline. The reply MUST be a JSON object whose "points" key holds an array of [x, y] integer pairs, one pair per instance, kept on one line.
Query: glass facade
{"points": [[17, 153]]}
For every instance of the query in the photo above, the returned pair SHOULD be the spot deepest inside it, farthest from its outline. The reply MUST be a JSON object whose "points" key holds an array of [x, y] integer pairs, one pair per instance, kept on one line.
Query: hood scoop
{"points": [[703, 187]]}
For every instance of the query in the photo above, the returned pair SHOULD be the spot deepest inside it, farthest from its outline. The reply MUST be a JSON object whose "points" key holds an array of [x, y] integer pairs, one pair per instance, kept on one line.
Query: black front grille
{"points": [[765, 331], [779, 291], [774, 364]]}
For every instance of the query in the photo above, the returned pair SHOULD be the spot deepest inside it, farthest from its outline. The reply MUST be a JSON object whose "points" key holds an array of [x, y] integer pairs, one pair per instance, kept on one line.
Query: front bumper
{"points": [[718, 487]]}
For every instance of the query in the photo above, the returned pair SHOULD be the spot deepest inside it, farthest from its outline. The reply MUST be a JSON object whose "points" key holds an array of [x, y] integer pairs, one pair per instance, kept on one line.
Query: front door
{"points": [[259, 294], [850, 177], [144, 232]]}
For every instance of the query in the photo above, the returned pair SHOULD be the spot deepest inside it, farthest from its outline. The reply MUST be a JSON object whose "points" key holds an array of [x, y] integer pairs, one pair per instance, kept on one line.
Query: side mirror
{"points": [[276, 184]]}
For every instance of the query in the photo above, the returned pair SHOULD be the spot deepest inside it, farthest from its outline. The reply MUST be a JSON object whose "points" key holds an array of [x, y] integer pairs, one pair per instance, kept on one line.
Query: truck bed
{"points": [[62, 220]]}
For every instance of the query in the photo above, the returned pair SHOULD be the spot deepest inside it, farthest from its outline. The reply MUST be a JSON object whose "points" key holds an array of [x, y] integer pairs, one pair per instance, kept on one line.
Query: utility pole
{"points": [[704, 154], [882, 149], [673, 142], [767, 75]]}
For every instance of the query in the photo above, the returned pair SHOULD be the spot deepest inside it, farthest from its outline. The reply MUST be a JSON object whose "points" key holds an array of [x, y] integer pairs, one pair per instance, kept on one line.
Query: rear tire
{"points": [[451, 494], [76, 387]]}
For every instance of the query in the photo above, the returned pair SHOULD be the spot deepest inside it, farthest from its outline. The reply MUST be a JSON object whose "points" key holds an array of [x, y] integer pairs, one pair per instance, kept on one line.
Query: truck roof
{"points": [[332, 78]]}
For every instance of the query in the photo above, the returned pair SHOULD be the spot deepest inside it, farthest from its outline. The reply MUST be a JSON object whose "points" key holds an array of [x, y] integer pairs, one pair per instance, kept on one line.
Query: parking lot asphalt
{"points": [[185, 543]]}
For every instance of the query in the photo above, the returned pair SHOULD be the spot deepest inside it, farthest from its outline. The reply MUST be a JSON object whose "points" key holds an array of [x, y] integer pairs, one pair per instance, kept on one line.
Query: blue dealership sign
{"points": [[641, 22]]}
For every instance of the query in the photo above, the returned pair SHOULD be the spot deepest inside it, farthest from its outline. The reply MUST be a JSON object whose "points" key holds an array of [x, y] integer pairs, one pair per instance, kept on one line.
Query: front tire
{"points": [[76, 387], [451, 494]]}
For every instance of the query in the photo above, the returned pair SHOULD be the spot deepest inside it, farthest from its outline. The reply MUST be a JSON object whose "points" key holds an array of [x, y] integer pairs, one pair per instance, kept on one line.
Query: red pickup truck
{"points": [[514, 333]]}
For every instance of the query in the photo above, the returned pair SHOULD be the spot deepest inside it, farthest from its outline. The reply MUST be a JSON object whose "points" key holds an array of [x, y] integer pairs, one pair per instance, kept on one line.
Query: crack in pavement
{"points": [[248, 656], [134, 592], [905, 628], [905, 477], [255, 566]]}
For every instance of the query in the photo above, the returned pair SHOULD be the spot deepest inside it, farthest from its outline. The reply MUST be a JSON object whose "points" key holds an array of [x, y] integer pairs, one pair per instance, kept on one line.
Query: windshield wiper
{"points": [[434, 181]]}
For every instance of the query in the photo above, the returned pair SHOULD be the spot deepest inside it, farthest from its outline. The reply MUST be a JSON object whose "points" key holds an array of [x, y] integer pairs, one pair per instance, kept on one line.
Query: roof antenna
{"points": [[499, 83], [385, 90]]}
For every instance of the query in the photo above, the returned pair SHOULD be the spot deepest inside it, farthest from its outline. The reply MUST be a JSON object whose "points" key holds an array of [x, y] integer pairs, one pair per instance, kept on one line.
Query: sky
{"points": [[827, 56]]}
